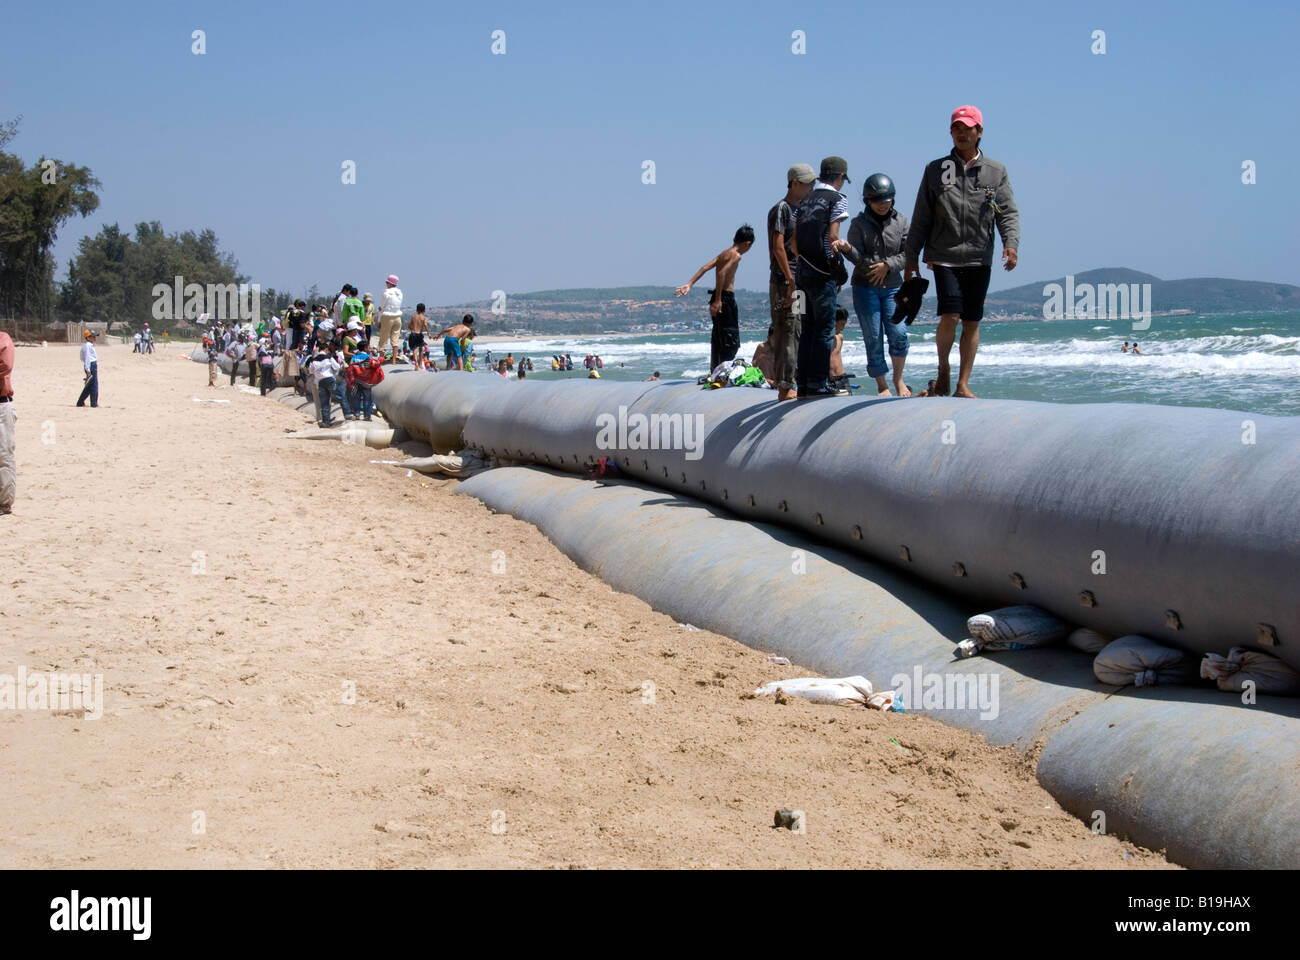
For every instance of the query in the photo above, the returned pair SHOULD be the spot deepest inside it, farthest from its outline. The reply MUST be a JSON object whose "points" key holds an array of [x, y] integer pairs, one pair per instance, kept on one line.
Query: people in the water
{"points": [[653, 376], [963, 197], [1136, 349], [1124, 349]]}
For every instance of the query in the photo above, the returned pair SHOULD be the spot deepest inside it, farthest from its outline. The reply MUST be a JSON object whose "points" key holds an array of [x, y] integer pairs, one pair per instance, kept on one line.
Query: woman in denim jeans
{"points": [[876, 244]]}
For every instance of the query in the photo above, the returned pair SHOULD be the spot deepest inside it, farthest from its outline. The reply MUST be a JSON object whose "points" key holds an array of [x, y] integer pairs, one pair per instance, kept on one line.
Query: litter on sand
{"points": [[199, 400], [842, 692]]}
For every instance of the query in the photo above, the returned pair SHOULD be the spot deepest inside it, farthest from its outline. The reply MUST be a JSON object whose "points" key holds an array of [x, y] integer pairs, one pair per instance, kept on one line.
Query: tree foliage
{"points": [[113, 275], [34, 202]]}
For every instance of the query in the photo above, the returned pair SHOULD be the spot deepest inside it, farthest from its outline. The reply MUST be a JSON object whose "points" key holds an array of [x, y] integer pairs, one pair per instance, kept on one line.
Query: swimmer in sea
{"points": [[653, 376], [1135, 348], [1124, 349]]}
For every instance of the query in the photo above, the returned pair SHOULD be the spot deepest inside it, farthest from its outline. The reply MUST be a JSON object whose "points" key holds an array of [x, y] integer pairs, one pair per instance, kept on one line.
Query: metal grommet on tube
{"points": [[1087, 598], [959, 569]]}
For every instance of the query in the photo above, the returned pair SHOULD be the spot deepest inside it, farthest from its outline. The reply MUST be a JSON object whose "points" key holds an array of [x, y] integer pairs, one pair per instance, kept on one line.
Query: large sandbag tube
{"points": [[432, 407], [1188, 770], [1181, 524]]}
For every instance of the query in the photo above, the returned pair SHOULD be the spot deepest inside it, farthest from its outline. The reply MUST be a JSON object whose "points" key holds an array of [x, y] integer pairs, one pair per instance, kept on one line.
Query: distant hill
{"points": [[1199, 295], [655, 309]]}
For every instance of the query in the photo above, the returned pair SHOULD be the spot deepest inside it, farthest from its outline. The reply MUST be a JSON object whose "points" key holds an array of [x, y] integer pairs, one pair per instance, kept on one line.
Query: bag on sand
{"points": [[1011, 628], [843, 692], [1268, 673], [1089, 641], [1141, 662]]}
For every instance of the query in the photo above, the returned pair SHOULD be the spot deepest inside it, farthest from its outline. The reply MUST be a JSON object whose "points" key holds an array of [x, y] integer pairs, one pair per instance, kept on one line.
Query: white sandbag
{"points": [[1011, 628], [1024, 624], [1141, 662], [1240, 666], [1089, 641], [844, 691]]}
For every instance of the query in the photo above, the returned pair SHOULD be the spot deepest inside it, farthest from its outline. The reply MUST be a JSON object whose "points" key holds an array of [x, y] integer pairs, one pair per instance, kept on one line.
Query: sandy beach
{"points": [[308, 660]]}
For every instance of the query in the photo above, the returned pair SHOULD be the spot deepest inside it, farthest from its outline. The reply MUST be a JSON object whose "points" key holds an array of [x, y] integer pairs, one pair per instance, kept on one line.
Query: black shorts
{"points": [[961, 290], [416, 340]]}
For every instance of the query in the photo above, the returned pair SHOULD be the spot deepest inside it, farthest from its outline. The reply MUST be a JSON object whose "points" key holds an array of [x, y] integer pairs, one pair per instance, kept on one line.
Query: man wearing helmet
{"points": [[877, 247], [963, 196]]}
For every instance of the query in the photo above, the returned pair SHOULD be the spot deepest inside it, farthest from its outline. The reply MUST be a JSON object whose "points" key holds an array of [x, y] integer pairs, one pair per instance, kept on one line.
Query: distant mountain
{"points": [[654, 309], [1199, 295]]}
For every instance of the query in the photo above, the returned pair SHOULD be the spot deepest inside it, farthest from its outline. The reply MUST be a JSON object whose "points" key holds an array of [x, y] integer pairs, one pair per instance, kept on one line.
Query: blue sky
{"points": [[521, 172]]}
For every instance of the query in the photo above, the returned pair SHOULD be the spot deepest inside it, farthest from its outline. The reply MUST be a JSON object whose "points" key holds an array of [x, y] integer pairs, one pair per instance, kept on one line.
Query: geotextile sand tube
{"points": [[1185, 769], [1181, 524]]}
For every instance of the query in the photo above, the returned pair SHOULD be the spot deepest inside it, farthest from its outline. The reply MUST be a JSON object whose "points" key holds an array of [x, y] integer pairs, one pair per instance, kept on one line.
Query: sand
{"points": [[233, 587]]}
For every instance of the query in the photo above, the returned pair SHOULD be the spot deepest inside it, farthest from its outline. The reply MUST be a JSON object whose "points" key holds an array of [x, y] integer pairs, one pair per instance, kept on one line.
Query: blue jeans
{"points": [[324, 390], [816, 336], [91, 389], [874, 306], [361, 399], [341, 395]]}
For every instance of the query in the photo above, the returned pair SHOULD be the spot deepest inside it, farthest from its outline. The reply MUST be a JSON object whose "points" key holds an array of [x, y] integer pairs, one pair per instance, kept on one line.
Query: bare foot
{"points": [[940, 388], [964, 392], [786, 393], [884, 392], [903, 389]]}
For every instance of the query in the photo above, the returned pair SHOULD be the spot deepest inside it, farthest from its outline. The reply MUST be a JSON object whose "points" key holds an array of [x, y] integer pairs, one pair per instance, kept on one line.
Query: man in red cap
{"points": [[962, 197]]}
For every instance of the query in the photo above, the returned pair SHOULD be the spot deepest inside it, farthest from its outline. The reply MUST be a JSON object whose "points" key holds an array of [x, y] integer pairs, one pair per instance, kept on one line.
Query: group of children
{"points": [[143, 340]]}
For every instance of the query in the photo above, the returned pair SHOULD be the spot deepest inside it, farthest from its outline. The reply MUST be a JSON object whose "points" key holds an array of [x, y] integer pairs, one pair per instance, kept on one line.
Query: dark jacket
{"points": [[871, 244], [957, 209]]}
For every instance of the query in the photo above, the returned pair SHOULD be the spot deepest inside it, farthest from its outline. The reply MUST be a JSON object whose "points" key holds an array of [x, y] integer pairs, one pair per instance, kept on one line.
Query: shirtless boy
{"points": [[419, 327], [722, 305], [451, 347]]}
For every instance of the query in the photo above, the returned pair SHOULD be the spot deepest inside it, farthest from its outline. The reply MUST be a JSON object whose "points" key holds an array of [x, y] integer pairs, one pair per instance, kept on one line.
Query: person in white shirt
{"points": [[323, 368], [90, 364], [136, 348], [336, 312], [390, 320]]}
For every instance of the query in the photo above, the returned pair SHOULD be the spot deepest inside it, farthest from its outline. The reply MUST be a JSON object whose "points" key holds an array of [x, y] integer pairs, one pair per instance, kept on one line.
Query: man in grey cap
{"points": [[817, 233], [781, 286]]}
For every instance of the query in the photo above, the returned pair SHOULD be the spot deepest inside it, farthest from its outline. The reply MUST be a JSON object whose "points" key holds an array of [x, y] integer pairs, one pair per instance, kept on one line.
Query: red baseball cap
{"points": [[968, 115]]}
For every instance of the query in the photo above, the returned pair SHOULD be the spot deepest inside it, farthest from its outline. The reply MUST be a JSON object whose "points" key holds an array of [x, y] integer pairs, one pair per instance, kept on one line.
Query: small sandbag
{"points": [[1089, 641], [1011, 628], [846, 691], [1141, 662], [1240, 666]]}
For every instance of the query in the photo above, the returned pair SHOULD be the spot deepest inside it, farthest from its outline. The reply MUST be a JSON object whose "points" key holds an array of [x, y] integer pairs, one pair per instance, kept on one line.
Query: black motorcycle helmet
{"points": [[877, 187]]}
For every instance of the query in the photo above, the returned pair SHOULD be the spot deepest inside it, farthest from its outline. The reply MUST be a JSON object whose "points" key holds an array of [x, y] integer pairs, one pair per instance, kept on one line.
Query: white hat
{"points": [[354, 324]]}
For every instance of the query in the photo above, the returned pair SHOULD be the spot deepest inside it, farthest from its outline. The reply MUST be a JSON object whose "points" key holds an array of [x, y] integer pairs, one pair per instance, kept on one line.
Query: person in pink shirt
{"points": [[8, 454]]}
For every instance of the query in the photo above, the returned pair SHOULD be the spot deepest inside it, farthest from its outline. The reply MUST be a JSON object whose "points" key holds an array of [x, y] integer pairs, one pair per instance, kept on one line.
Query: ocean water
{"points": [[1248, 362]]}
